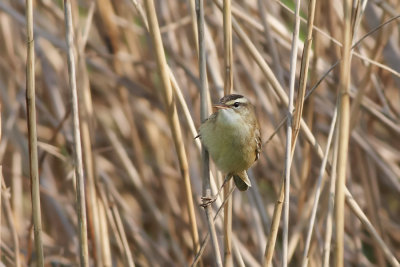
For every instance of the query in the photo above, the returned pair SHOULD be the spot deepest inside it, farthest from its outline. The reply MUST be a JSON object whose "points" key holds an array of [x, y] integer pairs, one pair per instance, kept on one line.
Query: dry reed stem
{"points": [[105, 242], [203, 115], [290, 143], [305, 60], [79, 175], [228, 86], [228, 56], [172, 116], [193, 17], [273, 230], [331, 205], [33, 153], [86, 116], [344, 119], [207, 237], [228, 260], [301, 94], [131, 67]]}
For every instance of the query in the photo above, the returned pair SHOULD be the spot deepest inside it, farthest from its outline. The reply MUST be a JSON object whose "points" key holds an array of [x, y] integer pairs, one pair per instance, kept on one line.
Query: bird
{"points": [[232, 137]]}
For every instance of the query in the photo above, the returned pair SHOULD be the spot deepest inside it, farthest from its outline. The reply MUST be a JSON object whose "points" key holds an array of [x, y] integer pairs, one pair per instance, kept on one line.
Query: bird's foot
{"points": [[207, 201]]}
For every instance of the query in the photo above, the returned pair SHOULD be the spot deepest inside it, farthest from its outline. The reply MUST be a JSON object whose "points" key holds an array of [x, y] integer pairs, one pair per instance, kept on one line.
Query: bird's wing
{"points": [[211, 118], [258, 143]]}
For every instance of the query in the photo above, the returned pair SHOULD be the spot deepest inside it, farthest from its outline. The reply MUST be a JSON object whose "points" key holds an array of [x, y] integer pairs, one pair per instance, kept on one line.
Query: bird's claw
{"points": [[207, 201]]}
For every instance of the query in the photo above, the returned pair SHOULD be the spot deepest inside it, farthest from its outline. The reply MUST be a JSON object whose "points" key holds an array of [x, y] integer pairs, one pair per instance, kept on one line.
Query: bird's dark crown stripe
{"points": [[228, 98]]}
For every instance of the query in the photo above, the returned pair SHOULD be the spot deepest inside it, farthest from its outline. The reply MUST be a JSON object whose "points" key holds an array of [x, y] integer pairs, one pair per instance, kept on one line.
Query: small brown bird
{"points": [[232, 137]]}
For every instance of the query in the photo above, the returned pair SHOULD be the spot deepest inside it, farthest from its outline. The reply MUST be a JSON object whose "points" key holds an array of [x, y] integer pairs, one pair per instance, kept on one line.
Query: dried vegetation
{"points": [[138, 119]]}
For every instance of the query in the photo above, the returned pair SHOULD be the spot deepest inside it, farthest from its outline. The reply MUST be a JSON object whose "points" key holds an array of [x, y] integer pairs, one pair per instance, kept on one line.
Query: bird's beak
{"points": [[218, 107]]}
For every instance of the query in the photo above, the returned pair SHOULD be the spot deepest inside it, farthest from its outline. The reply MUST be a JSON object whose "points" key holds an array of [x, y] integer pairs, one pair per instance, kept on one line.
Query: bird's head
{"points": [[235, 104]]}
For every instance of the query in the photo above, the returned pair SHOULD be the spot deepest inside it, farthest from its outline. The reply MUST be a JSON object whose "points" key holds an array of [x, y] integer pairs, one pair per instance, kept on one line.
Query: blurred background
{"points": [[136, 201]]}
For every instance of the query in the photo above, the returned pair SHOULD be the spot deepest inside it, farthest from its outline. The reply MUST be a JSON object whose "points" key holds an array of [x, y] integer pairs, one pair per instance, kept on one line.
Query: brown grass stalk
{"points": [[86, 117], [204, 109], [344, 116], [207, 237], [228, 260], [130, 164], [80, 183], [228, 86], [290, 141], [228, 56], [331, 205], [305, 60], [33, 153], [193, 17]]}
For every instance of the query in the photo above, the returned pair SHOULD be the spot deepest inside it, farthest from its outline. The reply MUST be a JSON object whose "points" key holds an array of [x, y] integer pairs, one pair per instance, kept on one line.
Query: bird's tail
{"points": [[242, 181]]}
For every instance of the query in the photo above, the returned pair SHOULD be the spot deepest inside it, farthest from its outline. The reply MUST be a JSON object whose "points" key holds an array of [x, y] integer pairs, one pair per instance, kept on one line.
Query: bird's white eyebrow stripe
{"points": [[239, 100]]}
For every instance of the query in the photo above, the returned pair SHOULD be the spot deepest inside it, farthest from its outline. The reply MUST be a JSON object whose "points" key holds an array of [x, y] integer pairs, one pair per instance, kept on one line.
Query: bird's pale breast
{"points": [[230, 142]]}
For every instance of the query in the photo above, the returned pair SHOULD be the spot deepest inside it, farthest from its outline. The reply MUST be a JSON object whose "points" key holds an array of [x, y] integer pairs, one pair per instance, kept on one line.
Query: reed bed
{"points": [[102, 168]]}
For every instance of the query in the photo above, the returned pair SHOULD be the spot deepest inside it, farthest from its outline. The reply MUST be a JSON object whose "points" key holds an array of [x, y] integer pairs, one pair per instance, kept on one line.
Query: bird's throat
{"points": [[229, 117]]}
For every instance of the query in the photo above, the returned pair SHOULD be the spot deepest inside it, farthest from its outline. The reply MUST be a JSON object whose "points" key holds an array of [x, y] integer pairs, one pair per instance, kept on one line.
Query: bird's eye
{"points": [[236, 104]]}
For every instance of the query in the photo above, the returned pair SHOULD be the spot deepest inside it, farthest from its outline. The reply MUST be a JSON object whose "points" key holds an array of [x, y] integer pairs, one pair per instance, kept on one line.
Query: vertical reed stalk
{"points": [[228, 85], [228, 57], [289, 144], [172, 115], [305, 60], [33, 154], [86, 116], [331, 203], [192, 6], [344, 118], [203, 115], [80, 183], [273, 231], [228, 261]]}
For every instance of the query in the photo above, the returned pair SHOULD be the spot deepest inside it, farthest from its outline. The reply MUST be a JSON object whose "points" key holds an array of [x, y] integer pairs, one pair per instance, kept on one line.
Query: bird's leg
{"points": [[209, 200]]}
